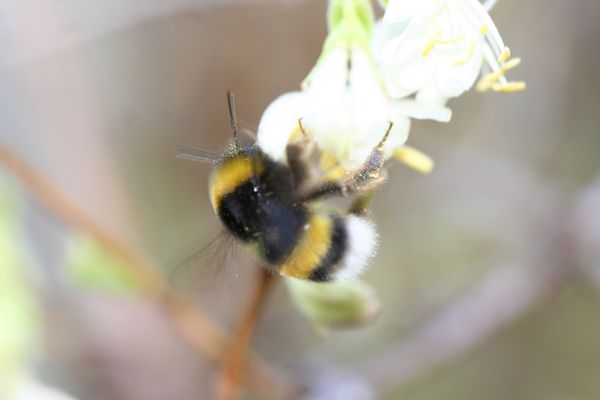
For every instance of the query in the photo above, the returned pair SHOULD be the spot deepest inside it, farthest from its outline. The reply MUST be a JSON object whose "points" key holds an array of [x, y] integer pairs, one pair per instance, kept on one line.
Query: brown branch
{"points": [[49, 197], [234, 366], [508, 293], [203, 334]]}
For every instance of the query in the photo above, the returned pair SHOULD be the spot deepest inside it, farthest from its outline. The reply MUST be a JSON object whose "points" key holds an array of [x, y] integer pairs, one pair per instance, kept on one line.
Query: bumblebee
{"points": [[272, 206]]}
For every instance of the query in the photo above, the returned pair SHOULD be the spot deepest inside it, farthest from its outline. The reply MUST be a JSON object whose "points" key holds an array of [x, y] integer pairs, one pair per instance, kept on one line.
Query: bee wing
{"points": [[194, 154], [211, 265], [250, 133]]}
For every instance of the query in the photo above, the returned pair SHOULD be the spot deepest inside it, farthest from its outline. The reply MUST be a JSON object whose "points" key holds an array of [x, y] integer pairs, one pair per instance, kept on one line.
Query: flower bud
{"points": [[336, 304]]}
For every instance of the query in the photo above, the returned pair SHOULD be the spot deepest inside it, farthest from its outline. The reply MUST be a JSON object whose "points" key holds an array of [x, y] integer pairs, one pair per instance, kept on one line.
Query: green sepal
{"points": [[350, 25], [356, 15]]}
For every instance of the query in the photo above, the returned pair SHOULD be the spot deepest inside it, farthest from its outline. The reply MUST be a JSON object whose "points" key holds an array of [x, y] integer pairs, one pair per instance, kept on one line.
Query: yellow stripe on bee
{"points": [[312, 248], [231, 174]]}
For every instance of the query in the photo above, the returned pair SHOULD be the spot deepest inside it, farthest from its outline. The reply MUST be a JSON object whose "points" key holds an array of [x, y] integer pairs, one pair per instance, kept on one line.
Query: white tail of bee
{"points": [[362, 245]]}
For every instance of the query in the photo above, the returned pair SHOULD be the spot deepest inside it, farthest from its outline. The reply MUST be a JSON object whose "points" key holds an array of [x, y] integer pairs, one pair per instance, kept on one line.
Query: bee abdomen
{"points": [[332, 247], [338, 247]]}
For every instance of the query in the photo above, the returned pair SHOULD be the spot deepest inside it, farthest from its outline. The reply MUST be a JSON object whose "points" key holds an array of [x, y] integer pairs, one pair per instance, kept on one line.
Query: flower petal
{"points": [[278, 122], [423, 110], [398, 10], [440, 50], [331, 75]]}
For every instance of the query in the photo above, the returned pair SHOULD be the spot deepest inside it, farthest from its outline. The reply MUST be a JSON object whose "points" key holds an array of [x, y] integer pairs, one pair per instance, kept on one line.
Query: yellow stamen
{"points": [[484, 29], [414, 159], [469, 55], [483, 86], [509, 87], [488, 81], [432, 43], [510, 64], [428, 47], [436, 41], [504, 56]]}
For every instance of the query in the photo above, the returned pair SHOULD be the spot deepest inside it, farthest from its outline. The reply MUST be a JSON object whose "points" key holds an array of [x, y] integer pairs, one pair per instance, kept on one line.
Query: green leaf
{"points": [[92, 268], [334, 305], [19, 316]]}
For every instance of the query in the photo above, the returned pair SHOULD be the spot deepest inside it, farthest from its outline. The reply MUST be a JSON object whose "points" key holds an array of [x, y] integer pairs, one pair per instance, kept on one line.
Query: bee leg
{"points": [[369, 175], [366, 179], [372, 172], [360, 205], [295, 157], [297, 164]]}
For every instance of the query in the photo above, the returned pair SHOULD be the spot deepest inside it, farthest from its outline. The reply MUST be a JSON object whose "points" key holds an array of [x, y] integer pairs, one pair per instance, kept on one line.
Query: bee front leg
{"points": [[295, 153], [360, 205], [370, 175]]}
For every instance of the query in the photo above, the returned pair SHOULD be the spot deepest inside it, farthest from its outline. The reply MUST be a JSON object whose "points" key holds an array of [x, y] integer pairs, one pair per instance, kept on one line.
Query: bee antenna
{"points": [[232, 117]]}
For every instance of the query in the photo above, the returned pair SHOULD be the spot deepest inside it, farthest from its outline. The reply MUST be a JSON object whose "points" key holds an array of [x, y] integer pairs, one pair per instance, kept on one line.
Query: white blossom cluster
{"points": [[405, 66]]}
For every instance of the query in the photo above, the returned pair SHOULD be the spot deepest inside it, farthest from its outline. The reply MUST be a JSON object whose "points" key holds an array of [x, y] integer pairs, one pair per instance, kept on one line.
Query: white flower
{"points": [[436, 49], [343, 110], [343, 105]]}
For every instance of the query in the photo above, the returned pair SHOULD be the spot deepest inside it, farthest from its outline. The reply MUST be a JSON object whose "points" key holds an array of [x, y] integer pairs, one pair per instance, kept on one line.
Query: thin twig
{"points": [[207, 337], [232, 375]]}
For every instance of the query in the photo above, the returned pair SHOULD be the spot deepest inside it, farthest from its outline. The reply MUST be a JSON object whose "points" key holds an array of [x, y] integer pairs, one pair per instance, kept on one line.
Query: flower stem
{"points": [[231, 379]]}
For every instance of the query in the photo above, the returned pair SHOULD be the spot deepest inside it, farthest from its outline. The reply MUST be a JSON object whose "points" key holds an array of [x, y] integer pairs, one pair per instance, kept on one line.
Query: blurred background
{"points": [[488, 270]]}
